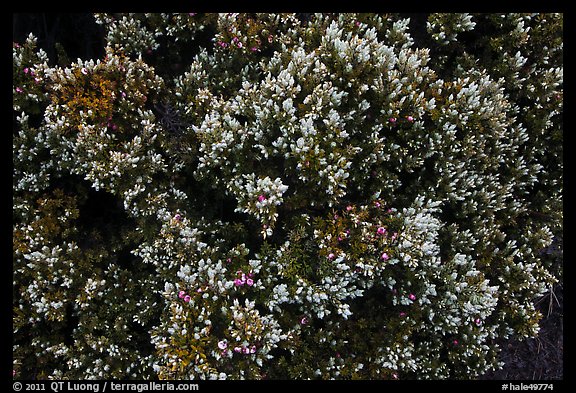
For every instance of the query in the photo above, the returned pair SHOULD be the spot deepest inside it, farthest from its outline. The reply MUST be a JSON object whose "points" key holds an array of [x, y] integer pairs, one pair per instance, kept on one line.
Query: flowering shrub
{"points": [[286, 196]]}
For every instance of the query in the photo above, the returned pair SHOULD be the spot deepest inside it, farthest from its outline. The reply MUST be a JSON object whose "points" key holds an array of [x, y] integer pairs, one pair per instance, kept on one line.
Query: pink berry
{"points": [[181, 294], [249, 282], [261, 198], [187, 298], [331, 256], [381, 230], [385, 256], [412, 296]]}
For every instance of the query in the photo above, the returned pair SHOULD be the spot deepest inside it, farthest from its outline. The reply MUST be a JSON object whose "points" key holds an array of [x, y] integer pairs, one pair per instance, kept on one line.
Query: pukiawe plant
{"points": [[286, 196]]}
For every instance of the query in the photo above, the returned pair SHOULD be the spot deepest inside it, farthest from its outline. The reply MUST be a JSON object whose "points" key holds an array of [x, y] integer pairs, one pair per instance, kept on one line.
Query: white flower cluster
{"points": [[444, 28], [27, 74], [140, 33], [127, 33], [259, 197]]}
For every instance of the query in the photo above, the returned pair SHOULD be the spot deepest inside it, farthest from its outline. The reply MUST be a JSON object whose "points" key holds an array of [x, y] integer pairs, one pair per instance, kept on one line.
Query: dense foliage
{"points": [[286, 196]]}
